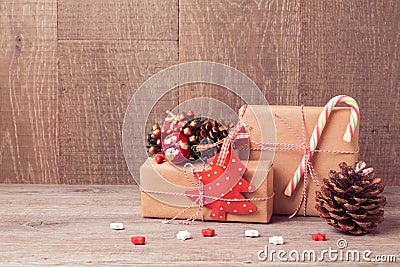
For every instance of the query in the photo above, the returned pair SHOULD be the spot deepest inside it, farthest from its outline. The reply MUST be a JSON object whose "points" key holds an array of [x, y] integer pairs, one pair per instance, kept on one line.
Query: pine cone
{"points": [[350, 200], [199, 129]]}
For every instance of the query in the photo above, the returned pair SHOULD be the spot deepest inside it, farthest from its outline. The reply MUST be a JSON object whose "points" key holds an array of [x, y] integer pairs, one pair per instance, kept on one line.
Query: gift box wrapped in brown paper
{"points": [[286, 162], [167, 178]]}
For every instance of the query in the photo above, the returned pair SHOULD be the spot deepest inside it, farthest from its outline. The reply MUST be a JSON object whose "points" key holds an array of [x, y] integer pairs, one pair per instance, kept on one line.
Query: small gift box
{"points": [[291, 147], [169, 191]]}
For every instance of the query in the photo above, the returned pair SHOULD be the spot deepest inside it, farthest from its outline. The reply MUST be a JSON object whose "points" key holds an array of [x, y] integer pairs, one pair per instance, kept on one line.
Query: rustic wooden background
{"points": [[68, 69]]}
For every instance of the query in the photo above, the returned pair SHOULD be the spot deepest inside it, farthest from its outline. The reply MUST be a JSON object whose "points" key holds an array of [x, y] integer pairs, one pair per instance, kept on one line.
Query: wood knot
{"points": [[19, 38], [18, 46]]}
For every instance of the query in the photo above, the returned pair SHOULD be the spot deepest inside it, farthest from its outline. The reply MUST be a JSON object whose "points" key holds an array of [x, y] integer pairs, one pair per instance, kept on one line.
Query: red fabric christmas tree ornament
{"points": [[225, 185]]}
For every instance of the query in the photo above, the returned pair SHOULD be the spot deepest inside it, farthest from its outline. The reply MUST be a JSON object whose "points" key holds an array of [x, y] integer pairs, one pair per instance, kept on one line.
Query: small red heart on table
{"points": [[318, 237], [208, 232], [138, 240]]}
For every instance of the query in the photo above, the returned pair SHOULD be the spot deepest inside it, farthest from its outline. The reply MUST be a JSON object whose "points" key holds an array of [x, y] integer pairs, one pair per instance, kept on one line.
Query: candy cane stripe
{"points": [[316, 135]]}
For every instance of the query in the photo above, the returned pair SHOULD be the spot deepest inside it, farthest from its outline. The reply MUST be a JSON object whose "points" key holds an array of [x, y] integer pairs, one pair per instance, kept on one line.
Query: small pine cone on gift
{"points": [[350, 200], [199, 129], [212, 130]]}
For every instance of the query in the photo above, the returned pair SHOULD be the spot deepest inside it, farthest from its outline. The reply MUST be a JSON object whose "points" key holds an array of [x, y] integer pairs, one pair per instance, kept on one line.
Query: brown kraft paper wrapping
{"points": [[285, 163], [159, 177]]}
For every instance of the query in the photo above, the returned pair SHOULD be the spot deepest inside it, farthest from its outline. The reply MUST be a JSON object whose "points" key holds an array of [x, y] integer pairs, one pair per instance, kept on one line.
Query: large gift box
{"points": [[286, 162], [165, 187]]}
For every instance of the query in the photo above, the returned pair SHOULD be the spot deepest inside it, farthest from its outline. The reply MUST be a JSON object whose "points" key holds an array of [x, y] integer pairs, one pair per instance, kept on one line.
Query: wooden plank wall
{"points": [[68, 69], [29, 138]]}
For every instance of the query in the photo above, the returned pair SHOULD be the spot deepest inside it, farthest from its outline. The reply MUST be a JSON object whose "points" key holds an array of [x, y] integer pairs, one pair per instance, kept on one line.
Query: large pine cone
{"points": [[350, 200]]}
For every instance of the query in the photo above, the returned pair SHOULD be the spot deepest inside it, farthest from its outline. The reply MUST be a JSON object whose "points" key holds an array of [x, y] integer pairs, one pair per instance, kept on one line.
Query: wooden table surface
{"points": [[69, 225]]}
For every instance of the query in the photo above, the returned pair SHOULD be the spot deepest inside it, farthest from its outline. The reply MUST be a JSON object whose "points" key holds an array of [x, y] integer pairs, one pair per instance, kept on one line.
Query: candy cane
{"points": [[316, 135]]}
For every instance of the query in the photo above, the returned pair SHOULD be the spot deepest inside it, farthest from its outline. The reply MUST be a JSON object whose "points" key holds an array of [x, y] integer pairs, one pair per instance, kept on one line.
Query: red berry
{"points": [[153, 150], [190, 114], [156, 134], [187, 131], [159, 159], [192, 139]]}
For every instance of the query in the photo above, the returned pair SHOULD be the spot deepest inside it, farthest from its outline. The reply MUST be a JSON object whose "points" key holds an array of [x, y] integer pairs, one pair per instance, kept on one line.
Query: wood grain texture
{"points": [[97, 81], [352, 47], [259, 38], [29, 92], [118, 20], [69, 68], [69, 225]]}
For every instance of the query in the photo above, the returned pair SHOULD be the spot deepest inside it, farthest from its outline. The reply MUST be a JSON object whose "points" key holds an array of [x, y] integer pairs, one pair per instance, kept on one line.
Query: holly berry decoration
{"points": [[225, 182], [350, 199], [174, 123], [176, 148], [154, 140], [160, 159]]}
